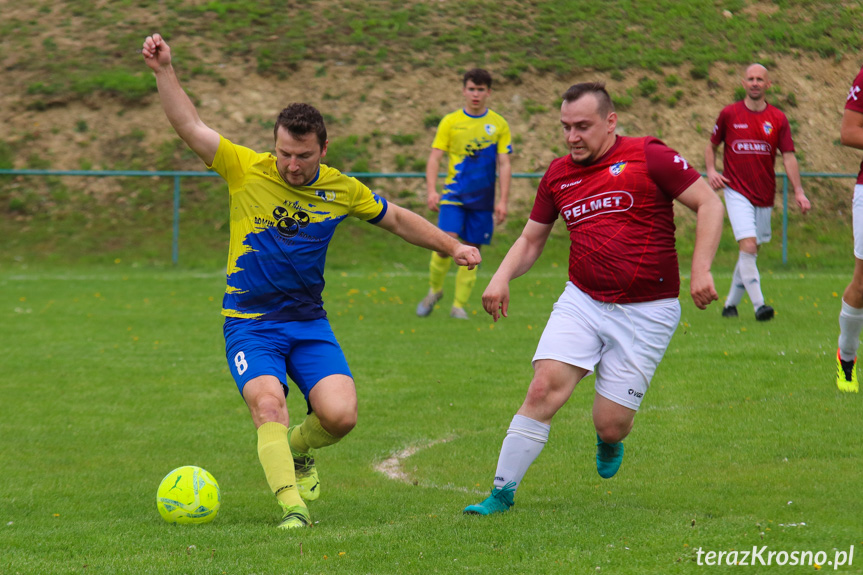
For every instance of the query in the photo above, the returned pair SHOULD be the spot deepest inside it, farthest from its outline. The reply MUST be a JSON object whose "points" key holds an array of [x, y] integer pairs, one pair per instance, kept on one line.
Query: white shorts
{"points": [[747, 221], [857, 220], [623, 343]]}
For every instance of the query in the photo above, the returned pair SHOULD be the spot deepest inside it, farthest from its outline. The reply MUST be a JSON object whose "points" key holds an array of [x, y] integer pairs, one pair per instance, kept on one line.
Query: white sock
{"points": [[524, 440], [735, 294], [751, 278], [850, 325]]}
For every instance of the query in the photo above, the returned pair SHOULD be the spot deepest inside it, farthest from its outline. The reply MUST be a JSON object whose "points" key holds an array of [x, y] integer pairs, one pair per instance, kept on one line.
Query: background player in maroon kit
{"points": [[752, 131], [620, 307], [851, 316]]}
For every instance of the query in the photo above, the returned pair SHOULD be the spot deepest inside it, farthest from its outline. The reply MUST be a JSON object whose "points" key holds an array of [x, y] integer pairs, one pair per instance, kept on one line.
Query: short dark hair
{"points": [[576, 91], [478, 76], [300, 119]]}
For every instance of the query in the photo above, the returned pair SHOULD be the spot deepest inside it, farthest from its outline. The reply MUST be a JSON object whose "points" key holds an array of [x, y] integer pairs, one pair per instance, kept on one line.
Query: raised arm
{"points": [[520, 257], [179, 109], [708, 229], [418, 231]]}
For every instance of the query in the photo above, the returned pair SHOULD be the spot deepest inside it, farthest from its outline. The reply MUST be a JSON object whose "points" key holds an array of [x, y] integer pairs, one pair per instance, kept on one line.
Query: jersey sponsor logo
{"points": [[768, 128], [740, 126], [617, 169], [490, 129], [569, 184], [474, 146], [326, 195], [598, 205], [757, 147], [289, 225], [852, 93]]}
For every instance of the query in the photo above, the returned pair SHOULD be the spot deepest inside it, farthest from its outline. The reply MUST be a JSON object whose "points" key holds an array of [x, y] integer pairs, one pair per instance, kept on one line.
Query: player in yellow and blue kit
{"points": [[284, 209], [478, 142]]}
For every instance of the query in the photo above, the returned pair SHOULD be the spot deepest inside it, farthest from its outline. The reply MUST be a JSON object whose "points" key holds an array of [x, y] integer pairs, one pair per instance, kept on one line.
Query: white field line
{"points": [[391, 467]]}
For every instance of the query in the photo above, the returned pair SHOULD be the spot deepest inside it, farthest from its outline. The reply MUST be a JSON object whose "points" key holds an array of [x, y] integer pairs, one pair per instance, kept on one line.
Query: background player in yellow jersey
{"points": [[477, 141], [284, 209]]}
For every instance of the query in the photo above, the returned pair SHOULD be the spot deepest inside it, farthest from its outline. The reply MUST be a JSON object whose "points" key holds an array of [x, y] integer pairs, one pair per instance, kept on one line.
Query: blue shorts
{"points": [[307, 351], [472, 226]]}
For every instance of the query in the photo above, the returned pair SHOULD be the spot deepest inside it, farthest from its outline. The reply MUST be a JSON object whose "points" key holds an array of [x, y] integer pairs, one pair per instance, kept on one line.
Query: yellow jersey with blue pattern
{"points": [[473, 143], [280, 233]]}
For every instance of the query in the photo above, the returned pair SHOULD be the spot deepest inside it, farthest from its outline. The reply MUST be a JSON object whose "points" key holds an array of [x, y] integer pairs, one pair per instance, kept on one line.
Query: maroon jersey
{"points": [[620, 217], [751, 140], [854, 102]]}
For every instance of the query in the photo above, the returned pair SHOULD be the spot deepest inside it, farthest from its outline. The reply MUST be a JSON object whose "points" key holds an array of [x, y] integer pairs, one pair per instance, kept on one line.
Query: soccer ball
{"points": [[188, 494]]}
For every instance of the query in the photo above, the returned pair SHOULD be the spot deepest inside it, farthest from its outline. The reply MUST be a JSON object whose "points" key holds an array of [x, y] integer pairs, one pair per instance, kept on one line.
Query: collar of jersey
{"points": [[315, 179], [471, 116]]}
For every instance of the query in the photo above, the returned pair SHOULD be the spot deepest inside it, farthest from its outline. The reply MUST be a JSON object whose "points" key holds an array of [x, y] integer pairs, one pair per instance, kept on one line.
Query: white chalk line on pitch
{"points": [[391, 467]]}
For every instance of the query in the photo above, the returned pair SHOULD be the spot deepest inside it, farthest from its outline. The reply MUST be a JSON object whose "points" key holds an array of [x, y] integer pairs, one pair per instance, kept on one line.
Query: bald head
{"points": [[756, 68], [756, 83]]}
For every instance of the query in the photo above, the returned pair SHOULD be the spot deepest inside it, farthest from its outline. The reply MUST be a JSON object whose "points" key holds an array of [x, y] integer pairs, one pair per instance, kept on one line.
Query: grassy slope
{"points": [[59, 220]]}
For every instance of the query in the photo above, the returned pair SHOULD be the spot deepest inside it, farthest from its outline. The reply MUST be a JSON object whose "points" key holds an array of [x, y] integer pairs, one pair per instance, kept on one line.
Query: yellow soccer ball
{"points": [[189, 494]]}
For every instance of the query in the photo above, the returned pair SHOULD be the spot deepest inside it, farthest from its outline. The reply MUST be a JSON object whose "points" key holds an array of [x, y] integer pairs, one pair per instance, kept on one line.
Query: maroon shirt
{"points": [[620, 217], [854, 102], [751, 140]]}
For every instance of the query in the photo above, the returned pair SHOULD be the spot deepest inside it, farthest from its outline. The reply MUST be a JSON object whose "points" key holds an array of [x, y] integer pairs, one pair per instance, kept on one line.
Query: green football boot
{"points": [[608, 457], [846, 375], [308, 483], [294, 516], [500, 500]]}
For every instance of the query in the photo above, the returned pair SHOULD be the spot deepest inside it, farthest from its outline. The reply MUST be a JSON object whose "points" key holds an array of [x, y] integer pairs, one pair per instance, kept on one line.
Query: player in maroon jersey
{"points": [[752, 131], [619, 309], [851, 316]]}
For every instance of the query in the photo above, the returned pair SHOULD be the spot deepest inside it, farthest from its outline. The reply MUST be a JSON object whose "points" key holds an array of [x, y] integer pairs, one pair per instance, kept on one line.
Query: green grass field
{"points": [[113, 376]]}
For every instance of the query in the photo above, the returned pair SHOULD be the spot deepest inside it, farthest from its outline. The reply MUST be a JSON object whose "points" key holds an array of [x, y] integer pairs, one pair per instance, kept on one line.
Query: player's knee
{"points": [[613, 431], [339, 421], [856, 285], [267, 408], [539, 392]]}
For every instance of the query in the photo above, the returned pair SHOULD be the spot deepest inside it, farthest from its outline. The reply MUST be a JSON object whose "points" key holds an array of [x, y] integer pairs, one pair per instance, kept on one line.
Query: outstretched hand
{"points": [[467, 256], [495, 299], [156, 52]]}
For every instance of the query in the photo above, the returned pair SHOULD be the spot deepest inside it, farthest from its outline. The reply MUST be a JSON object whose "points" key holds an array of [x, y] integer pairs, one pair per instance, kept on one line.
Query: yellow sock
{"points": [[274, 451], [464, 282], [437, 271], [311, 435]]}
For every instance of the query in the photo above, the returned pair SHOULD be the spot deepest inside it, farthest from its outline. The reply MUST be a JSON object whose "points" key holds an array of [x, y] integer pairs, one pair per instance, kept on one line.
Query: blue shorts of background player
{"points": [[472, 226], [305, 351]]}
